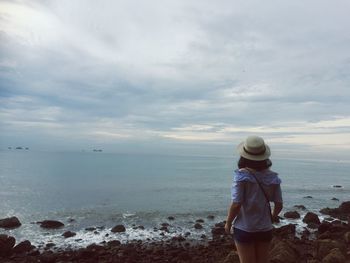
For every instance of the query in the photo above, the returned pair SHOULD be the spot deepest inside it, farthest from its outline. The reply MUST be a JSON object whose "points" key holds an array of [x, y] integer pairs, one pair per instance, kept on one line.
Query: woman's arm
{"points": [[277, 208], [232, 213]]}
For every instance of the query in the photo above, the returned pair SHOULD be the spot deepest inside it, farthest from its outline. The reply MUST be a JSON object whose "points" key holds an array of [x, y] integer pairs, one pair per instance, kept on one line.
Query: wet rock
{"points": [[203, 236], [51, 224], [345, 207], [335, 199], [198, 226], [342, 212], [50, 245], [90, 229], [171, 218], [114, 243], [10, 222], [22, 247], [312, 225], [218, 229], [311, 218], [200, 221], [292, 215], [6, 244], [118, 229], [165, 224], [308, 197], [71, 220], [334, 256], [211, 217], [68, 234], [337, 186]]}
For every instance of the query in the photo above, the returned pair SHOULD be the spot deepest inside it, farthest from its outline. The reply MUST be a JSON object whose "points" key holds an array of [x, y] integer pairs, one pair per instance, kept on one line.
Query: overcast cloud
{"points": [[175, 75]]}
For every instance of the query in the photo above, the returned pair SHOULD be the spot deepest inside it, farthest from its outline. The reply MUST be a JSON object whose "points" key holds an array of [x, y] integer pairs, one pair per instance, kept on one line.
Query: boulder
{"points": [[51, 224], [171, 218], [6, 244], [10, 222], [68, 234], [200, 220], [342, 212], [22, 247], [211, 217], [345, 207], [283, 252], [334, 256], [311, 218], [232, 257], [198, 226], [287, 231], [324, 247], [118, 229], [292, 215]]}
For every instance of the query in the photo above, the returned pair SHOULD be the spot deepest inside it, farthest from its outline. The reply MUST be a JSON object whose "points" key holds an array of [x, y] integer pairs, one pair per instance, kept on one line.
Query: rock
{"points": [[324, 247], [312, 225], [345, 207], [232, 257], [334, 256], [211, 217], [22, 247], [292, 215], [10, 222], [114, 243], [200, 221], [308, 197], [335, 199], [347, 237], [311, 218], [51, 224], [50, 245], [198, 226], [287, 231], [283, 252], [342, 212], [118, 229], [171, 218], [6, 244], [337, 186], [165, 224], [301, 207], [325, 226], [68, 234]]}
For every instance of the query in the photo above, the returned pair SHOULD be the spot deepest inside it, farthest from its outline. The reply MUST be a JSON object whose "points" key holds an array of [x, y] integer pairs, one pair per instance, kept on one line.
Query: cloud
{"points": [[175, 71]]}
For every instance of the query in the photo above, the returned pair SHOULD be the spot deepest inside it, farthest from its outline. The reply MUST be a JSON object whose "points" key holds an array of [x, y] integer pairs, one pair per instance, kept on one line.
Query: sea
{"points": [[96, 191]]}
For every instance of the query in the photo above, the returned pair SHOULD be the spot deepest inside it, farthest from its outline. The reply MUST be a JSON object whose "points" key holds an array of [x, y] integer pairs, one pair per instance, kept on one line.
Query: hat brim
{"points": [[252, 157]]}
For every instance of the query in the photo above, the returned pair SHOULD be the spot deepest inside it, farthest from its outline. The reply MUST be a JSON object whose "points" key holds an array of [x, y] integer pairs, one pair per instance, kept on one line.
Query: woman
{"points": [[254, 187]]}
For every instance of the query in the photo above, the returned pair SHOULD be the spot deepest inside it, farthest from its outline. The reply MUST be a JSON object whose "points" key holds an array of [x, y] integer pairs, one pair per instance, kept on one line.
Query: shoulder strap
{"points": [[266, 196]]}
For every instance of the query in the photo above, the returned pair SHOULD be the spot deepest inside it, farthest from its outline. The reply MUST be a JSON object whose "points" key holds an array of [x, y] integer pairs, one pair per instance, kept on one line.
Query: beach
{"points": [[320, 241]]}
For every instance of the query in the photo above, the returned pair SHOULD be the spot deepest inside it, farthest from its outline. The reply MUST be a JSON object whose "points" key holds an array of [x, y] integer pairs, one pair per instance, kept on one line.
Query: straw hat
{"points": [[254, 148]]}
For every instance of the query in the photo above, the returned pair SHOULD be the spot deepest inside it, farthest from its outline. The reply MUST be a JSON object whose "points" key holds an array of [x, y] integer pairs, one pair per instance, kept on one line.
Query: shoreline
{"points": [[326, 241]]}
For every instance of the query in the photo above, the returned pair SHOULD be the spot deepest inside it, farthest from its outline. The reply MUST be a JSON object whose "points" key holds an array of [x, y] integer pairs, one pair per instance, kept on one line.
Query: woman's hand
{"points": [[228, 227]]}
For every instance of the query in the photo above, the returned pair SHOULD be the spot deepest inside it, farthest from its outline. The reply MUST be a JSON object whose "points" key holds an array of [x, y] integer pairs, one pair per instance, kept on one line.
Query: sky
{"points": [[182, 77]]}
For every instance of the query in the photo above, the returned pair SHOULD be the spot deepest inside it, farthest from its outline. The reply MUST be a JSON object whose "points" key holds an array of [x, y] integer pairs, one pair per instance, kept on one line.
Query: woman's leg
{"points": [[246, 252], [262, 250]]}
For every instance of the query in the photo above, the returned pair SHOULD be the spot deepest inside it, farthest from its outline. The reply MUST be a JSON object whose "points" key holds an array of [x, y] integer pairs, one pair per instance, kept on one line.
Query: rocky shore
{"points": [[327, 242]]}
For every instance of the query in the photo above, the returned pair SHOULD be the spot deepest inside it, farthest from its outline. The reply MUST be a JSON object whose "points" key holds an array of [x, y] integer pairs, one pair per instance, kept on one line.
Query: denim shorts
{"points": [[250, 237]]}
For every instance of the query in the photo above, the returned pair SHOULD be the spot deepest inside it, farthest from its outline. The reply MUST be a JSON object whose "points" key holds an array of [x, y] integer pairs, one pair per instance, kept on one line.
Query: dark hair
{"points": [[256, 165]]}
